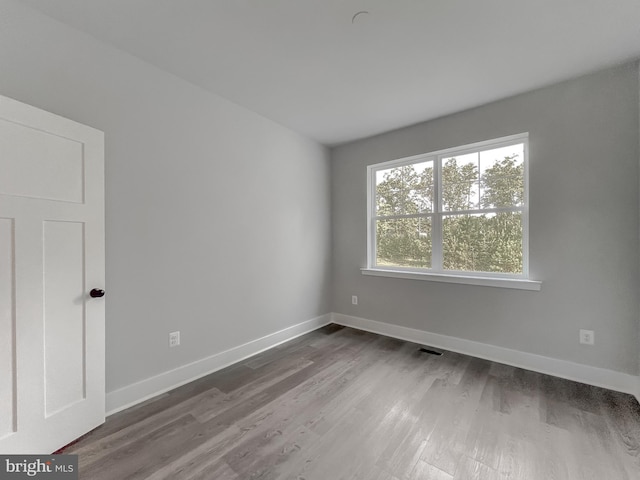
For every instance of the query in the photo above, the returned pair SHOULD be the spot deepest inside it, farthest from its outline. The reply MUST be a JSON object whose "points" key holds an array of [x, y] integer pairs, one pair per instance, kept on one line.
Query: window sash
{"points": [[437, 215]]}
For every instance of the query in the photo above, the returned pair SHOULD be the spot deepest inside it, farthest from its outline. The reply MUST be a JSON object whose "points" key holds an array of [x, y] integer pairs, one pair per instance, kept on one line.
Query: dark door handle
{"points": [[96, 293]]}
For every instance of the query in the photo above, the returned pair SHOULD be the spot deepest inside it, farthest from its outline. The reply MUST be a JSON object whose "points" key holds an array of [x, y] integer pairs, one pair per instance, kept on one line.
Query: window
{"points": [[457, 212]]}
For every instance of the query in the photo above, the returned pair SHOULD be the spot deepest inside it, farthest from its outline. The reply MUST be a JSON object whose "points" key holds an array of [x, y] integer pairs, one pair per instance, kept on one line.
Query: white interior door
{"points": [[51, 257]]}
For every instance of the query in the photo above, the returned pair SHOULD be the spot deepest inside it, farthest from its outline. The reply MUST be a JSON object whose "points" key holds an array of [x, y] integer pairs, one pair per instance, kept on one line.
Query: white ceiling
{"points": [[305, 65]]}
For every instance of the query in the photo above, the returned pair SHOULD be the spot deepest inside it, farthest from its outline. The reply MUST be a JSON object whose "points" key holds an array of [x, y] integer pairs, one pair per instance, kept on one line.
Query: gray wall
{"points": [[217, 219], [583, 222]]}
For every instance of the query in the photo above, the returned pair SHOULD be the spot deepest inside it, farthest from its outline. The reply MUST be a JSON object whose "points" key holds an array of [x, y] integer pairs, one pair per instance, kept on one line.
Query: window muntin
{"points": [[459, 211]]}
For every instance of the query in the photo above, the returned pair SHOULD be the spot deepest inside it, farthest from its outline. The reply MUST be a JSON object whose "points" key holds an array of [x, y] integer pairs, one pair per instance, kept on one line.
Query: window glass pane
{"points": [[502, 177], [404, 242], [483, 243], [460, 183], [405, 190]]}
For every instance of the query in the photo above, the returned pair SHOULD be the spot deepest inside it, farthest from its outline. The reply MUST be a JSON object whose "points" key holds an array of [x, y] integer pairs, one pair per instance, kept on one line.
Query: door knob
{"points": [[96, 293]]}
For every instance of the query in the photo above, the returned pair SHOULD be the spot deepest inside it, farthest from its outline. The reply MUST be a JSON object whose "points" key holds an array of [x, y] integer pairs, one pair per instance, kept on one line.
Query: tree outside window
{"points": [[453, 212]]}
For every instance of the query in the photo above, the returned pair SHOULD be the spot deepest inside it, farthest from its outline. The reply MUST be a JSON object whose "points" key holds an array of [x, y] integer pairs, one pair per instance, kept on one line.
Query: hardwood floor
{"points": [[339, 403]]}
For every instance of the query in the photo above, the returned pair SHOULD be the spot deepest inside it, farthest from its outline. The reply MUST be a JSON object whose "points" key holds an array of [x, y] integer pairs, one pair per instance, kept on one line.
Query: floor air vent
{"points": [[430, 351]]}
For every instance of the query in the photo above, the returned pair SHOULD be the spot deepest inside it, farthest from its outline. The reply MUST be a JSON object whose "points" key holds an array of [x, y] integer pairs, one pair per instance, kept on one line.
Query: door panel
{"points": [[40, 164], [7, 341], [63, 319], [51, 256]]}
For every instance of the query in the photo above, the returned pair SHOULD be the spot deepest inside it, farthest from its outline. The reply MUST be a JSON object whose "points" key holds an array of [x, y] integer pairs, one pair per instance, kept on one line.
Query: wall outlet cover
{"points": [[587, 337], [174, 339]]}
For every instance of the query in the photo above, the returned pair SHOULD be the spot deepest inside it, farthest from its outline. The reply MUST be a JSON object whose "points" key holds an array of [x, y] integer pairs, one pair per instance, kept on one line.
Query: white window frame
{"points": [[437, 273]]}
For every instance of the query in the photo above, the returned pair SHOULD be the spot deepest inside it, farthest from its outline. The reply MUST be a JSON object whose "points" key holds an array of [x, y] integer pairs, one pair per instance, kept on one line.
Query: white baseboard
{"points": [[138, 392], [599, 377]]}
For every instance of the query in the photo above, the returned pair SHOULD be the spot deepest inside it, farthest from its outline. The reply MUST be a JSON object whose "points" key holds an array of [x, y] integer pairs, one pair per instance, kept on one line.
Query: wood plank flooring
{"points": [[339, 403]]}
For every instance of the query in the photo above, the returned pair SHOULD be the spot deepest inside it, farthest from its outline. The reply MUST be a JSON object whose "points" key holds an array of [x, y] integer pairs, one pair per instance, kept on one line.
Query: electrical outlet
{"points": [[354, 299], [174, 339], [587, 337]]}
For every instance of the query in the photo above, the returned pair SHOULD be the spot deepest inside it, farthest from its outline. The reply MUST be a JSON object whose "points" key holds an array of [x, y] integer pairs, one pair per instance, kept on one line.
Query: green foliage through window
{"points": [[479, 212]]}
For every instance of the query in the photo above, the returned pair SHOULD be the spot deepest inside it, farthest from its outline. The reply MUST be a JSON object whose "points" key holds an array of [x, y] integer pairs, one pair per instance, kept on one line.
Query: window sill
{"points": [[516, 283]]}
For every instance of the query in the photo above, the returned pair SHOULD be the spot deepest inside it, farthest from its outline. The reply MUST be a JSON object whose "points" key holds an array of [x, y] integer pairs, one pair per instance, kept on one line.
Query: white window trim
{"points": [[503, 282], [519, 281]]}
